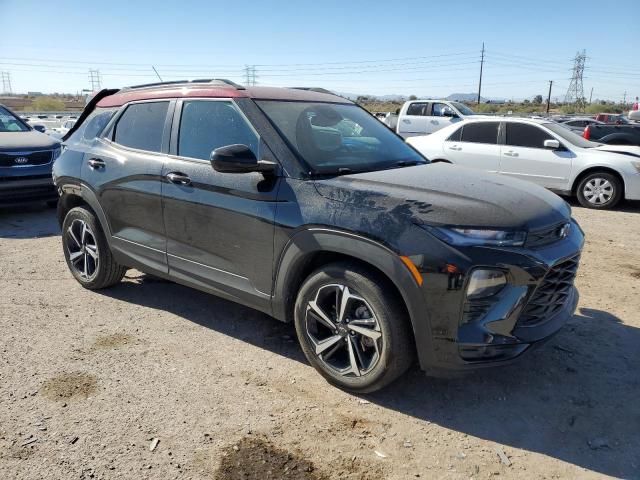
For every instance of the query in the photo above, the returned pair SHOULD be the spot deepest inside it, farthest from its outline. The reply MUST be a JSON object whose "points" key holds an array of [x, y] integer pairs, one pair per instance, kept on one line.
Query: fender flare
{"points": [[87, 195], [305, 243]]}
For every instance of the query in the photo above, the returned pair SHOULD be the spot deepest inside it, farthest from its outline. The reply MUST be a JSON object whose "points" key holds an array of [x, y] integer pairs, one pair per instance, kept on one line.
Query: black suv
{"points": [[26, 157], [302, 205]]}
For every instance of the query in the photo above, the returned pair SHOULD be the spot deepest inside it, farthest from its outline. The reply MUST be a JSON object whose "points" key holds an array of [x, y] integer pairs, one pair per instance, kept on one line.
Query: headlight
{"points": [[56, 152], [636, 165], [484, 283], [479, 236]]}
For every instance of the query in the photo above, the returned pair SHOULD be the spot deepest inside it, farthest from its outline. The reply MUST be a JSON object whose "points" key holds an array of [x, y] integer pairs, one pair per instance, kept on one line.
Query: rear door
{"points": [[219, 226], [414, 121], [124, 171], [524, 156], [475, 145]]}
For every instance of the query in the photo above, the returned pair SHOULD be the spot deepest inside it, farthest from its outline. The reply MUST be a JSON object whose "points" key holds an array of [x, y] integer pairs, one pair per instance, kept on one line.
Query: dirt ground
{"points": [[151, 380]]}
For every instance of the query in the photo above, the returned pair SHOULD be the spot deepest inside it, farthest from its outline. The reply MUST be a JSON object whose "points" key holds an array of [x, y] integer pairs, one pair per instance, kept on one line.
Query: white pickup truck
{"points": [[422, 117]]}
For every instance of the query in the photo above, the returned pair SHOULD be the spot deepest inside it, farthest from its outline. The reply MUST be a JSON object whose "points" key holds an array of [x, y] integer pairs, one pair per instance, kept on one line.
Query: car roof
{"points": [[216, 89], [498, 118]]}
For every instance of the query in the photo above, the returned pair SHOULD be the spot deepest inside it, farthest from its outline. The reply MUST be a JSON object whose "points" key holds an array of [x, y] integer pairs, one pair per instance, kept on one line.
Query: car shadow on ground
{"points": [[626, 206], [32, 221], [574, 399]]}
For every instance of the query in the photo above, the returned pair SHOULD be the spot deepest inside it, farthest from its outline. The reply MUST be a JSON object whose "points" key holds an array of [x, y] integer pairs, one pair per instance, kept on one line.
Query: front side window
{"points": [[439, 110], [207, 125], [455, 136], [141, 126], [338, 138], [525, 135], [10, 123], [419, 109], [481, 132]]}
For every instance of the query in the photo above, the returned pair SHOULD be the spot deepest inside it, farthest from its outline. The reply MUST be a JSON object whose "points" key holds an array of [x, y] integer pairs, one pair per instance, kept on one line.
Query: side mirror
{"points": [[552, 144], [239, 159], [39, 128]]}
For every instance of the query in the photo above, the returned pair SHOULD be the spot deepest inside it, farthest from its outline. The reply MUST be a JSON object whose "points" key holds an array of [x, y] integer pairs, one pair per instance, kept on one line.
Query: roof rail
{"points": [[314, 89], [215, 81]]}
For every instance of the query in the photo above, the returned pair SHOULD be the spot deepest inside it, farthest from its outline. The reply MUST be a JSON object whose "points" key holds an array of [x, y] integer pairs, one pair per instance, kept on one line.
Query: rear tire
{"points": [[599, 190], [363, 343], [87, 252]]}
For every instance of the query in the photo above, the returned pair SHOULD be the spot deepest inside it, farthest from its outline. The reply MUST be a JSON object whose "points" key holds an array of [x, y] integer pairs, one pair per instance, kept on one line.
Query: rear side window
{"points": [[420, 109], [455, 136], [141, 126], [481, 132], [207, 125], [524, 135]]}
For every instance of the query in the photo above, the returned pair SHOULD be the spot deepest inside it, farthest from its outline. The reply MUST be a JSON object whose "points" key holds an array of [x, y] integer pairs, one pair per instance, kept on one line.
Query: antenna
{"points": [[575, 92]]}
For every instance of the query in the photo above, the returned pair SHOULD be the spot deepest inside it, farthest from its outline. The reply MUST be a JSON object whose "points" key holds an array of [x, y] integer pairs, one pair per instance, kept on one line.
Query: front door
{"points": [[441, 115], [219, 226], [524, 156]]}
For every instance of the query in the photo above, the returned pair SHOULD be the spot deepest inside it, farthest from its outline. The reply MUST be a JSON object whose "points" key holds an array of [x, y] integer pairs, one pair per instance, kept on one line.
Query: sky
{"points": [[424, 48]]}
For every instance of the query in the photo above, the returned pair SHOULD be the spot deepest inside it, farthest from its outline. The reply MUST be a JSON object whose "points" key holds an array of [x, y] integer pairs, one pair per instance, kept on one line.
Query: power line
{"points": [[250, 75], [94, 78]]}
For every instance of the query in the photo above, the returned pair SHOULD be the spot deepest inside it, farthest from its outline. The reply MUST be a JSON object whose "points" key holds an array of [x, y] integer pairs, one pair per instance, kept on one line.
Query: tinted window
{"points": [[141, 126], [93, 125], [481, 132], [524, 135], [205, 126], [420, 109], [455, 136]]}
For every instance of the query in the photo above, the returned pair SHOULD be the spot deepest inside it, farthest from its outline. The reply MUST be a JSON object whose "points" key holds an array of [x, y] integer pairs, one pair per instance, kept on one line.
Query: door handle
{"points": [[455, 147], [178, 178], [510, 153], [96, 163]]}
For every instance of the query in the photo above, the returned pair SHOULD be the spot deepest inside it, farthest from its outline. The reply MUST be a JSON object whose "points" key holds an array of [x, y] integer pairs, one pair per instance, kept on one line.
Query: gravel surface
{"points": [[149, 379]]}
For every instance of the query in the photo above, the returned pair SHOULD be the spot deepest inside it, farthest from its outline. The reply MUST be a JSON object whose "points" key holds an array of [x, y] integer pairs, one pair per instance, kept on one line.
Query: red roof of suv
{"points": [[214, 89]]}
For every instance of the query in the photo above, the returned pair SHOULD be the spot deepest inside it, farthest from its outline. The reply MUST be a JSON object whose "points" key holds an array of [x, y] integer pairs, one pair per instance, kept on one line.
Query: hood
{"points": [[24, 141], [623, 149], [442, 194]]}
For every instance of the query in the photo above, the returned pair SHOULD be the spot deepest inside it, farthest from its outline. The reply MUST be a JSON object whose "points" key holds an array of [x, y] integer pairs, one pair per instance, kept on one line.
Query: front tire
{"points": [[87, 252], [352, 329], [599, 190]]}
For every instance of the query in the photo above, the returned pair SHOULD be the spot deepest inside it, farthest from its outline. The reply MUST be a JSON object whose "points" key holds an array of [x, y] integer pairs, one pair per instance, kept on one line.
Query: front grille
{"points": [[552, 293], [547, 235], [22, 159]]}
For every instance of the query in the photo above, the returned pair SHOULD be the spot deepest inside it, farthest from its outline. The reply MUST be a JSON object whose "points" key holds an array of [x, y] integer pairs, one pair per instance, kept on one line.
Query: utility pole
{"points": [[250, 75], [624, 98], [6, 83], [549, 96], [590, 95], [481, 65], [575, 92], [94, 78]]}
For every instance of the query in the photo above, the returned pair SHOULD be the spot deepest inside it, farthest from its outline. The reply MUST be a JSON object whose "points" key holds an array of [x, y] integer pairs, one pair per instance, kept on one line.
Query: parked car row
{"points": [[302, 205]]}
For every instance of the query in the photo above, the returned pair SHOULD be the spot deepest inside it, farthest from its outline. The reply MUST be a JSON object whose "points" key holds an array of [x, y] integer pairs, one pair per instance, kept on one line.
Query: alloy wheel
{"points": [[598, 191], [344, 331], [82, 248]]}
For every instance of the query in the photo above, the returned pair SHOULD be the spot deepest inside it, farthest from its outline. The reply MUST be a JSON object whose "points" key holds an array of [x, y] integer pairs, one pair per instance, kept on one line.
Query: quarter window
{"points": [[481, 132], [524, 135], [419, 109], [207, 125], [141, 126]]}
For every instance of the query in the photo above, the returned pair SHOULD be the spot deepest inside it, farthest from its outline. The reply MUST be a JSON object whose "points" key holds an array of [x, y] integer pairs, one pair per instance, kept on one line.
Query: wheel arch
{"points": [[74, 196], [590, 170], [309, 249]]}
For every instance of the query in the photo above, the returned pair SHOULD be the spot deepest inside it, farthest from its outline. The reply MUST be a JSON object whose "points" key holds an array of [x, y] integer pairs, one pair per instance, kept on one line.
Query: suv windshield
{"points": [[570, 136], [10, 123], [463, 109], [336, 138]]}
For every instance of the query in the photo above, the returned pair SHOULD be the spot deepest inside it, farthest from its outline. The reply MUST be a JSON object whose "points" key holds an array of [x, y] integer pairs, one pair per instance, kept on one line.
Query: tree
{"points": [[537, 99], [412, 97], [47, 104]]}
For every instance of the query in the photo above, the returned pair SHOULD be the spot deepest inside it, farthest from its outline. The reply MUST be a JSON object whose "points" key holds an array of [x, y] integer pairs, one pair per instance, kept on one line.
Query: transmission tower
{"points": [[250, 75], [6, 83], [575, 92], [94, 78]]}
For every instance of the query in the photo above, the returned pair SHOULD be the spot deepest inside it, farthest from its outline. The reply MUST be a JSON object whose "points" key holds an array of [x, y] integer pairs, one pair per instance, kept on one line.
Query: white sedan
{"points": [[542, 152]]}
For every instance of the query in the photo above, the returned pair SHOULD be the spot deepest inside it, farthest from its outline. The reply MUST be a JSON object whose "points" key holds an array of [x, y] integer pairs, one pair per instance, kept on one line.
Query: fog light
{"points": [[484, 283]]}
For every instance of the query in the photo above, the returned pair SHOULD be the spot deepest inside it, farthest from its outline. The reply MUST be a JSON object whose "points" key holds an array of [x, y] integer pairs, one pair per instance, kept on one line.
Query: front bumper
{"points": [[632, 186], [26, 185], [495, 330]]}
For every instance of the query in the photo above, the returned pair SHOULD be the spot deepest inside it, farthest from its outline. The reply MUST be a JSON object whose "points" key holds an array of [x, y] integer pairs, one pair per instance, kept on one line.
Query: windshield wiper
{"points": [[409, 163]]}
